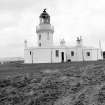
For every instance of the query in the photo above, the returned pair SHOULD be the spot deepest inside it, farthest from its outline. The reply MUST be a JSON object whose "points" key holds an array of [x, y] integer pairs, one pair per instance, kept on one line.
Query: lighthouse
{"points": [[47, 52], [45, 30]]}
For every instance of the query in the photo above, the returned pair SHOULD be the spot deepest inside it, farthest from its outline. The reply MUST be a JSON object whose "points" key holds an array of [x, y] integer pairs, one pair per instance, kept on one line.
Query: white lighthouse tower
{"points": [[44, 30]]}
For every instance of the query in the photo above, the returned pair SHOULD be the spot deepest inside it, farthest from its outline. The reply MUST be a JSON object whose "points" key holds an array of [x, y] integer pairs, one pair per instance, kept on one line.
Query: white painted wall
{"points": [[43, 55], [38, 56], [46, 39], [80, 54], [100, 54], [77, 54], [93, 55], [27, 56], [48, 55]]}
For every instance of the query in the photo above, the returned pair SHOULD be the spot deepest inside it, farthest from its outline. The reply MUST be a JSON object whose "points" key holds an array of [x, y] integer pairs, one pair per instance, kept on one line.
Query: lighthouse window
{"points": [[57, 53], [39, 44], [30, 52], [39, 36], [72, 53], [88, 53]]}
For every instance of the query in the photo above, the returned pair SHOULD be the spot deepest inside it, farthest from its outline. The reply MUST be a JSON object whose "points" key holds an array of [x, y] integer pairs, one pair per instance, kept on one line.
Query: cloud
{"points": [[8, 19], [18, 20], [19, 5], [15, 4], [71, 18], [81, 17]]}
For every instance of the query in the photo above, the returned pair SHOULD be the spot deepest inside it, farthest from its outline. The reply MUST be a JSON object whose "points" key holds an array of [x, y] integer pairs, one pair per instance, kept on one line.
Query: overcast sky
{"points": [[71, 18]]}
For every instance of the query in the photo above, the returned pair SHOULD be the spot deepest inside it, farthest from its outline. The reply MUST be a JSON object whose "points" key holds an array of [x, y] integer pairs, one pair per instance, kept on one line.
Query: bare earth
{"points": [[79, 83]]}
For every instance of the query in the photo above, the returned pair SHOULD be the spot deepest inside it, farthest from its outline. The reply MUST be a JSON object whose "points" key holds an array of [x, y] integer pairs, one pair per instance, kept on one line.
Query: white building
{"points": [[46, 52]]}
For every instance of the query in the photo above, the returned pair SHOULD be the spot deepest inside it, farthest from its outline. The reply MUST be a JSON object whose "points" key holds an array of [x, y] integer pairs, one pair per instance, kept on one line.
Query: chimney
{"points": [[25, 43], [79, 41], [62, 42]]}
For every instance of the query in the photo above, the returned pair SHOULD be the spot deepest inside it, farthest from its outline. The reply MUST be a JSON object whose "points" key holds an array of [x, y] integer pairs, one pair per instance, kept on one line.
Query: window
{"points": [[39, 36], [72, 53], [57, 53], [30, 52], [88, 53], [40, 44]]}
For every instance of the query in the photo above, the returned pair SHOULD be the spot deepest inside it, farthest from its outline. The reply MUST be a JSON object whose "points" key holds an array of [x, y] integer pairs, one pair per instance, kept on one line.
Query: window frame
{"points": [[88, 54], [72, 53], [39, 36], [57, 53], [30, 52], [39, 44]]}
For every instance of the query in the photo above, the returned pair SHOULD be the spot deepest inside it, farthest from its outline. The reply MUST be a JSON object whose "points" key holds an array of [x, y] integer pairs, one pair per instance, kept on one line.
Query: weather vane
{"points": [[44, 10]]}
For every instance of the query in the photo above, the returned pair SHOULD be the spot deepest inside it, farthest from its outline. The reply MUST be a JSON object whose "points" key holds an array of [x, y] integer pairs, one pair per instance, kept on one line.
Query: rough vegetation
{"points": [[79, 84]]}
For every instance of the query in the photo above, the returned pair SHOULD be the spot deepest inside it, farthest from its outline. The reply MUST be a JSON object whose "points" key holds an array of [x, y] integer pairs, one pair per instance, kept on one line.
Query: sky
{"points": [[70, 18]]}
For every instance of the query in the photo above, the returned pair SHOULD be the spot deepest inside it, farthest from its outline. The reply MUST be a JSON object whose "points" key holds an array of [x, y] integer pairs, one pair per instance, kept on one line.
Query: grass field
{"points": [[16, 68], [75, 83]]}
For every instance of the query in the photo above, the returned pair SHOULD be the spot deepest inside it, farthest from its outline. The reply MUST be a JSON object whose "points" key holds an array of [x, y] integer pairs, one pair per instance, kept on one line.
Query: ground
{"points": [[75, 83]]}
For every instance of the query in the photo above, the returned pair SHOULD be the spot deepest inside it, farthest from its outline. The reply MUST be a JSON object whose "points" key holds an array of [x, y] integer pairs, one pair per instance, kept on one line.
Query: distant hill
{"points": [[11, 59]]}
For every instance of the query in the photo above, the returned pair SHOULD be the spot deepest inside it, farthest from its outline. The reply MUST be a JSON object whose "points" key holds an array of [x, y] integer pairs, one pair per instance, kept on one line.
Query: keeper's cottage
{"points": [[46, 52]]}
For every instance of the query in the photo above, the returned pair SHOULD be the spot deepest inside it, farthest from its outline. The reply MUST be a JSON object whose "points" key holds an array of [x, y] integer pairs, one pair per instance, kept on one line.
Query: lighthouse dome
{"points": [[44, 14], [44, 17]]}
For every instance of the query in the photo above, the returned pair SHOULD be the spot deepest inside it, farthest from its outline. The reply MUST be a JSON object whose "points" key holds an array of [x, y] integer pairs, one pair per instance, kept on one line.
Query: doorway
{"points": [[62, 56]]}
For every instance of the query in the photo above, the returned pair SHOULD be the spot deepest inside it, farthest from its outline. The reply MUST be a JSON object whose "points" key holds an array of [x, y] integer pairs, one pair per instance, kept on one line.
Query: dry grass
{"points": [[53, 84]]}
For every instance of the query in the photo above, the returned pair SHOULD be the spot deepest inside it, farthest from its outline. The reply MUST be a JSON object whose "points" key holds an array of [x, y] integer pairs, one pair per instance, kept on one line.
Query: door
{"points": [[62, 56]]}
